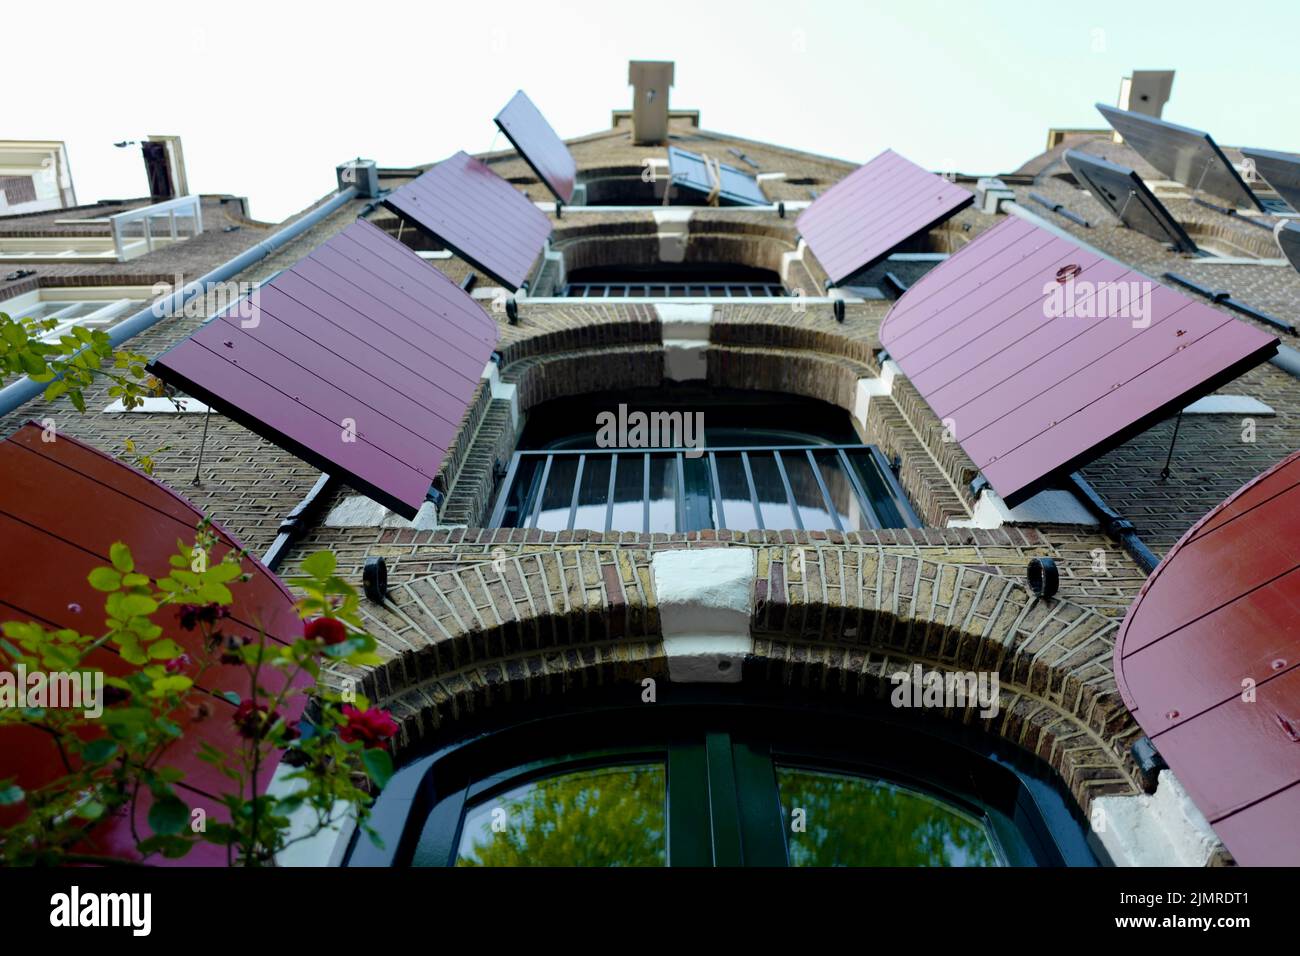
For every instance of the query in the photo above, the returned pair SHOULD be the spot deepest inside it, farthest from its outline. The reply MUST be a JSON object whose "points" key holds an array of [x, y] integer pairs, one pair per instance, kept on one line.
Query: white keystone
{"points": [[705, 599]]}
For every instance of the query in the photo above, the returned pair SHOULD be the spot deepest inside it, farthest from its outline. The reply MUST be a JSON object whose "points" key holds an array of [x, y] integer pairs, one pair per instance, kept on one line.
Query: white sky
{"points": [[269, 96]]}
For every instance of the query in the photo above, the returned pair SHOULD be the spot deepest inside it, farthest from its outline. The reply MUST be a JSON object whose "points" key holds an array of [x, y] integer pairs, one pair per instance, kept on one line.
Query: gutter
{"points": [[24, 390]]}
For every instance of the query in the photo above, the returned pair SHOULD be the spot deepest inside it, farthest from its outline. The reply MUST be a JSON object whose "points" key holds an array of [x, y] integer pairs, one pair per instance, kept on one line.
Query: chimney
{"points": [[1146, 92], [650, 80], [164, 165]]}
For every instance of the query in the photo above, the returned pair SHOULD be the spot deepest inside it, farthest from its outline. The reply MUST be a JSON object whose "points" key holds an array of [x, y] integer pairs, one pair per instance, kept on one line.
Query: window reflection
{"points": [[606, 816], [848, 820]]}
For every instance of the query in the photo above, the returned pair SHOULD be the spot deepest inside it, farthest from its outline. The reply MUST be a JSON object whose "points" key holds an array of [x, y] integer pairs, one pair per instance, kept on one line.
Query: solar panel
{"points": [[1122, 191], [63, 505], [360, 358], [538, 144], [477, 215], [1288, 240], [1040, 355], [1279, 170], [1217, 615], [1189, 156], [691, 171], [876, 208]]}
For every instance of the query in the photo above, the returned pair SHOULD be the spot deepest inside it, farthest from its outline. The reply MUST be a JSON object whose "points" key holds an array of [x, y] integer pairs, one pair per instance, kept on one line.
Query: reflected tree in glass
{"points": [[860, 821], [608, 816]]}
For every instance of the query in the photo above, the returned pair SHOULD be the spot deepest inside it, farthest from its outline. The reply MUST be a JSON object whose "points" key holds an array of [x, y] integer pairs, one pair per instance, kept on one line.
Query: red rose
{"points": [[328, 630], [372, 727], [177, 664]]}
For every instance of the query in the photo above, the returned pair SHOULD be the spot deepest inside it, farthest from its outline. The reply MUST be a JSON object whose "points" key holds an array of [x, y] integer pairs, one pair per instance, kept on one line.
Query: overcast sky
{"points": [[269, 97]]}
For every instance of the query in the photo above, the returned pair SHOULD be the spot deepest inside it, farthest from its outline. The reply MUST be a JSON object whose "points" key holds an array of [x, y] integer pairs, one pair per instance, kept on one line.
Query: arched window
{"points": [[694, 459], [702, 784]]}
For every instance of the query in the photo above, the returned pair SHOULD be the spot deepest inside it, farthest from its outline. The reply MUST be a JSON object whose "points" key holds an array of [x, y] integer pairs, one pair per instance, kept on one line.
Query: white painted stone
{"points": [[686, 340], [1228, 405], [705, 598], [788, 259], [162, 406], [1160, 829], [502, 392], [323, 848], [561, 276], [673, 224], [1055, 506], [869, 388], [426, 519], [356, 511]]}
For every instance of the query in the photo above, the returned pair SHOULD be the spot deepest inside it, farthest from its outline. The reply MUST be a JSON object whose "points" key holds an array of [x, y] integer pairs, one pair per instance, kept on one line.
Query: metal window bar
{"points": [[720, 519], [609, 499], [826, 492], [530, 503], [789, 492]]}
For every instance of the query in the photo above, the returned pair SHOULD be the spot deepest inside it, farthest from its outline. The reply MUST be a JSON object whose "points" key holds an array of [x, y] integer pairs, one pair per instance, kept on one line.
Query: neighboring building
{"points": [[34, 177], [576, 630]]}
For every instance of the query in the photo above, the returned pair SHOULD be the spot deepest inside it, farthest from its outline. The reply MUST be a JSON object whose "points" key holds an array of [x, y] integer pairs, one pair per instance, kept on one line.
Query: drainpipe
{"points": [[1115, 525], [24, 390]]}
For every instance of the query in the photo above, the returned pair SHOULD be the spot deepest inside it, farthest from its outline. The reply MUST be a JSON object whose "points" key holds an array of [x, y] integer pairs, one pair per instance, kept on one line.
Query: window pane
{"points": [[861, 821], [558, 493], [843, 496], [593, 494], [878, 488], [771, 492], [608, 816], [663, 493]]}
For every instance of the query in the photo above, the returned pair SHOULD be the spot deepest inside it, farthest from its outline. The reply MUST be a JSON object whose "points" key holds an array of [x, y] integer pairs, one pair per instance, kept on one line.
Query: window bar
{"points": [[541, 492], [499, 512], [826, 492], [577, 486], [789, 492], [681, 493], [627, 291], [645, 492], [872, 517], [721, 521], [753, 492], [891, 482], [609, 500]]}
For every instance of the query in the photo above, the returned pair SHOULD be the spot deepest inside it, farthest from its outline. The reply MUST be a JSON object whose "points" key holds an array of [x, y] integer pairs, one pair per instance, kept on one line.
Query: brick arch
{"points": [[479, 640]]}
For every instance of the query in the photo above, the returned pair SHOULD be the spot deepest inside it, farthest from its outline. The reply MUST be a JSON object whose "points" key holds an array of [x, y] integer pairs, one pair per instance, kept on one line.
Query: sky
{"points": [[268, 97]]}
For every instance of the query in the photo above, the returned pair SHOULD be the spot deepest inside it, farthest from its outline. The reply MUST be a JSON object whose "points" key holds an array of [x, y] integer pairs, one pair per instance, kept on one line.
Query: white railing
{"points": [[129, 246]]}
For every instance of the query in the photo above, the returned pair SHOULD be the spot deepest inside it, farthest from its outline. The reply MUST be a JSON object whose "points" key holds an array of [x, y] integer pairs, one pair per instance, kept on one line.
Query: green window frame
{"points": [[723, 804]]}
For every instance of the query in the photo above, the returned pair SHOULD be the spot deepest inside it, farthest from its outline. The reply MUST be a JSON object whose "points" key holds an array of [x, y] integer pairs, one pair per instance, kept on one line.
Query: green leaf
{"points": [[104, 579], [97, 751], [169, 816], [321, 564], [165, 650], [379, 765], [120, 555]]}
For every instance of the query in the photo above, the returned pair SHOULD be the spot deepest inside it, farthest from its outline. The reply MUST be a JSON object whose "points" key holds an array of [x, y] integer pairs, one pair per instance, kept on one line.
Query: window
{"points": [[90, 307], [710, 462], [679, 280], [704, 782]]}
